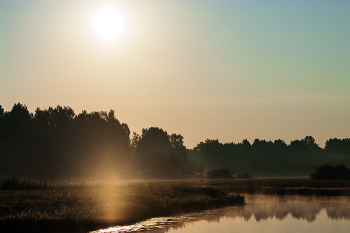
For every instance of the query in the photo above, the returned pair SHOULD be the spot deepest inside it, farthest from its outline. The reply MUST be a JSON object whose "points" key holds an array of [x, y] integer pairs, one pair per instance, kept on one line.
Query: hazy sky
{"points": [[226, 70]]}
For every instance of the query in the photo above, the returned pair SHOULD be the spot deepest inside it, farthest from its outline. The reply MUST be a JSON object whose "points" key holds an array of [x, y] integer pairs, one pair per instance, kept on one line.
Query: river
{"points": [[262, 213]]}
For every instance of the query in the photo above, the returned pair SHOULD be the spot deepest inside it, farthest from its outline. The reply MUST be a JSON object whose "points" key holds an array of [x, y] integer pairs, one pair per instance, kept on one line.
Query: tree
{"points": [[2, 159], [2, 112], [305, 145], [153, 151], [16, 140], [153, 141], [338, 146], [178, 152], [311, 144]]}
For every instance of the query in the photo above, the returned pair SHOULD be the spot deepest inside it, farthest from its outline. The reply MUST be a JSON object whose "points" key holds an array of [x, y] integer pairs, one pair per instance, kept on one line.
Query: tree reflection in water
{"points": [[263, 207], [259, 207]]}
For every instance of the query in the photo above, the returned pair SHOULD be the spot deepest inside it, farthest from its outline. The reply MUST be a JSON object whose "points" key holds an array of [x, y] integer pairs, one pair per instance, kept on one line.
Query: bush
{"points": [[328, 172], [246, 175], [219, 174]]}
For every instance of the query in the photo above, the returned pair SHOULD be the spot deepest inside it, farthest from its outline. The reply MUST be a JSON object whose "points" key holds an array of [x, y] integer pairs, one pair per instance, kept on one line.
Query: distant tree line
{"points": [[267, 158], [58, 144]]}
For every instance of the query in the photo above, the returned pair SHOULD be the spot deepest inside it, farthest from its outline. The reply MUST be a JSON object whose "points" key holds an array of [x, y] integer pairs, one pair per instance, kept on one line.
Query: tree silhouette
{"points": [[55, 143], [16, 139], [153, 151]]}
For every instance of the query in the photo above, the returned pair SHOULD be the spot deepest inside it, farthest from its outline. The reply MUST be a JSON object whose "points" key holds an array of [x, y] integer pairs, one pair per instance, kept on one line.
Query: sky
{"points": [[205, 69]]}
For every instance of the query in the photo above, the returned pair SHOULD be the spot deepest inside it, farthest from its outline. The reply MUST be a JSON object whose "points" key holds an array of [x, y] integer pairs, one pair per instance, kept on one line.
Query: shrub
{"points": [[328, 172], [219, 174]]}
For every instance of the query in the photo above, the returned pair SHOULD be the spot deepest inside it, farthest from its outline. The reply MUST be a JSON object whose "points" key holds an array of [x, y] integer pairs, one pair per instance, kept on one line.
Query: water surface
{"points": [[262, 213]]}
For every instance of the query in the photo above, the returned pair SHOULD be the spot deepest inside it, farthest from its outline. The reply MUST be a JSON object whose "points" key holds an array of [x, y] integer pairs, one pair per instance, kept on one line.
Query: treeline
{"points": [[57, 144], [267, 158]]}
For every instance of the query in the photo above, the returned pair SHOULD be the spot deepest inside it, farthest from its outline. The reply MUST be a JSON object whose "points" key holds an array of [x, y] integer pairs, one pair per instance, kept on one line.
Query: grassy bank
{"points": [[83, 207], [283, 186]]}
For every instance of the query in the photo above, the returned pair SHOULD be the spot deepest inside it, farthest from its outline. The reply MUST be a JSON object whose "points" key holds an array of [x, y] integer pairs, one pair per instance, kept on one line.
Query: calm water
{"points": [[263, 213]]}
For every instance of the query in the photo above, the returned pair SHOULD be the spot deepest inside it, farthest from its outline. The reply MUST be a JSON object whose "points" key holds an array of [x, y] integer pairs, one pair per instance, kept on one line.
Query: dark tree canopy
{"points": [[267, 158], [160, 154], [56, 143]]}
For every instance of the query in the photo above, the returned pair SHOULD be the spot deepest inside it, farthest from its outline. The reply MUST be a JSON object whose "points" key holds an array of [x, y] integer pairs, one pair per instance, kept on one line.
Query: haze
{"points": [[226, 70]]}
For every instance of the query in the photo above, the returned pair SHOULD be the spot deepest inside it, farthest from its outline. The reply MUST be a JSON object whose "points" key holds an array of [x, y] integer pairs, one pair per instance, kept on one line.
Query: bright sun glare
{"points": [[108, 23]]}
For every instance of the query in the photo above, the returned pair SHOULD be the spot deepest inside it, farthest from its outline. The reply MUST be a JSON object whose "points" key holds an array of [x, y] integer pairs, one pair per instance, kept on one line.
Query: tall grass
{"points": [[98, 205], [14, 183]]}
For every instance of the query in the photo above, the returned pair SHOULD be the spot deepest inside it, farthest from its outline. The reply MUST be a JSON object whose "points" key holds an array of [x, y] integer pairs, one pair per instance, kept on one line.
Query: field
{"points": [[88, 206]]}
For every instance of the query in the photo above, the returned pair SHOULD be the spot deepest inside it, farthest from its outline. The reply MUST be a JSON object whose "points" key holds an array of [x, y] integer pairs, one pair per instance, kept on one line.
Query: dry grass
{"points": [[91, 206]]}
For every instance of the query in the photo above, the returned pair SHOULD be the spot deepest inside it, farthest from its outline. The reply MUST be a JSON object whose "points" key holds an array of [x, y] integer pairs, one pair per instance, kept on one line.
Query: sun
{"points": [[108, 23]]}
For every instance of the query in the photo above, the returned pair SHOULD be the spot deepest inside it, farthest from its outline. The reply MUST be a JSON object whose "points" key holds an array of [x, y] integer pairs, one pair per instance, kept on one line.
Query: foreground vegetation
{"points": [[83, 207], [41, 207]]}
